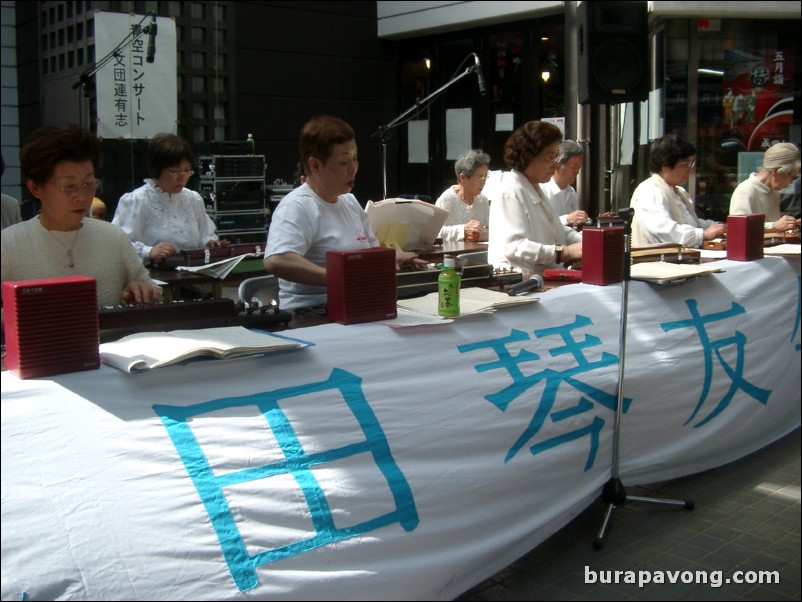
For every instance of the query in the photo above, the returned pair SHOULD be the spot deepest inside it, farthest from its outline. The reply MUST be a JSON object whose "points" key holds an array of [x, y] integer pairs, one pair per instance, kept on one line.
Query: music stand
{"points": [[614, 494]]}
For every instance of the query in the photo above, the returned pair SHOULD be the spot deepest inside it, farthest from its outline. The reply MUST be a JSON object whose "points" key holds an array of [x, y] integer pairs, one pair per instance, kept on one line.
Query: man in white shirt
{"points": [[559, 190]]}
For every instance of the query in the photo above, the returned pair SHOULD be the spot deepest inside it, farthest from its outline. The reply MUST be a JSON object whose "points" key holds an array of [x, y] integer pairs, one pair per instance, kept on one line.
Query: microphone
{"points": [[479, 77], [152, 30], [536, 281]]}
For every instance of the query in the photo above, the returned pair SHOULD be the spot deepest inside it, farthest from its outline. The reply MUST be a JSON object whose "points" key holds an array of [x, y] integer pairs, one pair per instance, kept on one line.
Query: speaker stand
{"points": [[614, 494]]}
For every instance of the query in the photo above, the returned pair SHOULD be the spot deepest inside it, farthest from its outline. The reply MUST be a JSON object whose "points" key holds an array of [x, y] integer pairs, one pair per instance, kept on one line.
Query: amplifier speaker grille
{"points": [[51, 326], [745, 237], [602, 255], [361, 285]]}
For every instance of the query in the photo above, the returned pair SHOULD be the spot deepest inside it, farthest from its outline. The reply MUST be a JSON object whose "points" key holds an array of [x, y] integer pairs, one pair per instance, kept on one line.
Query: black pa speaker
{"points": [[613, 52]]}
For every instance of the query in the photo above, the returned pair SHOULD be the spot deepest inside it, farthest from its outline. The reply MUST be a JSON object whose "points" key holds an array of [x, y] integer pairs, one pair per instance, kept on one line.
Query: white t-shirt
{"points": [[305, 224]]}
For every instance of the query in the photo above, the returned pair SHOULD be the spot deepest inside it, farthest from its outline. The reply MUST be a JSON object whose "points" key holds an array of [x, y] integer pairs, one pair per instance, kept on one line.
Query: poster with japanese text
{"points": [[757, 102], [135, 98]]}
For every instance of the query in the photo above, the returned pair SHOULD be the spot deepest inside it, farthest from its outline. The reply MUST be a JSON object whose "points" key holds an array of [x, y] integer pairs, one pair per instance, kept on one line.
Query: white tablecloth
{"points": [[386, 464]]}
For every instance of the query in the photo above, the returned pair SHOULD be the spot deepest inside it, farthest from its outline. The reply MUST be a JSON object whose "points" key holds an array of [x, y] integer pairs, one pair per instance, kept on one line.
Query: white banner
{"points": [[387, 464], [135, 98]]}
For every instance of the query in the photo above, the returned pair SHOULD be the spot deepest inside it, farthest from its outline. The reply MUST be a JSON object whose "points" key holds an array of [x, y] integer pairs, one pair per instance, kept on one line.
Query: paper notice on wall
{"points": [[458, 132]]}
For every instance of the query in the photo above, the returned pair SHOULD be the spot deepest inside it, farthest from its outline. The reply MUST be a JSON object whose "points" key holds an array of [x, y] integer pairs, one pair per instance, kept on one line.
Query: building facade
{"points": [[265, 67]]}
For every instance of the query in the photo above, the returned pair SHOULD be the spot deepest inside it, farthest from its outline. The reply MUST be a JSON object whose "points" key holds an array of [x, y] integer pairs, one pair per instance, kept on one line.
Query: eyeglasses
{"points": [[180, 175], [689, 163], [85, 187], [482, 178], [550, 158]]}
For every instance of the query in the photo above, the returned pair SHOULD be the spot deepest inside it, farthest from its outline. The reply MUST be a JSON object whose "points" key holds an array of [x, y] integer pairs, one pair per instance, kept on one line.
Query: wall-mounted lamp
{"points": [[428, 63], [545, 76]]}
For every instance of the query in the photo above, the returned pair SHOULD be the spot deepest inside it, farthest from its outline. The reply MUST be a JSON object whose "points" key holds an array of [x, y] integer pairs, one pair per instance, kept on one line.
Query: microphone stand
{"points": [[403, 118], [85, 77], [614, 494]]}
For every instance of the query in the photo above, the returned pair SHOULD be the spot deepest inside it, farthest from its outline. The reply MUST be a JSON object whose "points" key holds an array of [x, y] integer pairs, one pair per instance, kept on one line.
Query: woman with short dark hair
{"points": [[320, 215], [664, 211], [525, 233], [163, 217], [59, 166]]}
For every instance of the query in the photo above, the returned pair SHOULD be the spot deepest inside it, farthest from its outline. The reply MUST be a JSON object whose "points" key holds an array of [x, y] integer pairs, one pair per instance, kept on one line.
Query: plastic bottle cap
{"points": [[449, 262]]}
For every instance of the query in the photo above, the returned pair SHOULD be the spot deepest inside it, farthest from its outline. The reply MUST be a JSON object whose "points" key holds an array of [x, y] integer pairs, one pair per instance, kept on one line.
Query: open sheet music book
{"points": [[662, 272], [784, 249], [218, 269], [473, 301], [408, 224], [149, 350]]}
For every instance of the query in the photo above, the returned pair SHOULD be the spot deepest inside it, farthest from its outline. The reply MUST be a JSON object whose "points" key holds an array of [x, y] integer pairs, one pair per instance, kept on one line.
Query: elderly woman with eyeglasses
{"points": [[760, 193], [468, 210], [59, 166], [525, 233], [664, 211], [163, 217]]}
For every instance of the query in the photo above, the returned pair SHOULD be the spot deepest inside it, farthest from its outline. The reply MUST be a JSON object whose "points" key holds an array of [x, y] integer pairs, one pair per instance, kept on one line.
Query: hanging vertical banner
{"points": [[135, 98]]}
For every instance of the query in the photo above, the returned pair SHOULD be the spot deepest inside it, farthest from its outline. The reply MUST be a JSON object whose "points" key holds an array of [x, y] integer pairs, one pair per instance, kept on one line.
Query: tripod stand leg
{"points": [[615, 495], [598, 543], [686, 504]]}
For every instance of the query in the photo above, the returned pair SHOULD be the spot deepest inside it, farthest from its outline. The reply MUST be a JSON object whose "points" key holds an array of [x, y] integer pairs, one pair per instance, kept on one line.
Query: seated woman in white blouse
{"points": [[162, 217], [467, 208]]}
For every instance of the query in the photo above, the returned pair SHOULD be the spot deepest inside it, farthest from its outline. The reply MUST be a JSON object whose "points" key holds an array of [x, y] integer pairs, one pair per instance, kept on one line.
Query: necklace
{"points": [[69, 249]]}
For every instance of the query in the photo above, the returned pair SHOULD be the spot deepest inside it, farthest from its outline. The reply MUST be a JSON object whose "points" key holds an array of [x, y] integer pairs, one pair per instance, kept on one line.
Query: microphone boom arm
{"points": [[129, 39], [404, 117]]}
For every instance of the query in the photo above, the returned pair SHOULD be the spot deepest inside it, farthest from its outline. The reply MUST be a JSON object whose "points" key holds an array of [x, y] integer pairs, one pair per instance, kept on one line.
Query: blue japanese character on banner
{"points": [[274, 411], [552, 379], [710, 347]]}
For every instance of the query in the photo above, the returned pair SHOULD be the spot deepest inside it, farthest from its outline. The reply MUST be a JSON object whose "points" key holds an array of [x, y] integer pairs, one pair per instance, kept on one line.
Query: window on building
{"points": [[175, 9], [729, 91], [198, 10]]}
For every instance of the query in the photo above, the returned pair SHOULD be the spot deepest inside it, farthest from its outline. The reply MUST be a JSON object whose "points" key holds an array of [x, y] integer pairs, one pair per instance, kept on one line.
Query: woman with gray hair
{"points": [[468, 210], [760, 192], [559, 190]]}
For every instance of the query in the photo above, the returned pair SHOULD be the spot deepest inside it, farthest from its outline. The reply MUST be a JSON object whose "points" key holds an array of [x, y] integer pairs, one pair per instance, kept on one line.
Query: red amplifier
{"points": [[51, 326], [602, 255], [360, 285], [745, 237]]}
